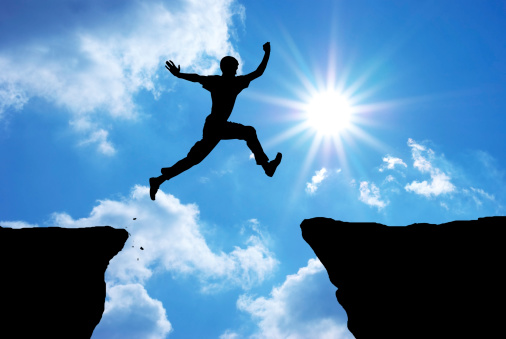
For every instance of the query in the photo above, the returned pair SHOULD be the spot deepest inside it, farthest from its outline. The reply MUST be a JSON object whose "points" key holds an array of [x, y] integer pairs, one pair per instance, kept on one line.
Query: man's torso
{"points": [[224, 91]]}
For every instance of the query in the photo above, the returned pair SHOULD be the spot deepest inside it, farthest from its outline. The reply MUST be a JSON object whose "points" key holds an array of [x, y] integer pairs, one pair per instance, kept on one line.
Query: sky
{"points": [[389, 112]]}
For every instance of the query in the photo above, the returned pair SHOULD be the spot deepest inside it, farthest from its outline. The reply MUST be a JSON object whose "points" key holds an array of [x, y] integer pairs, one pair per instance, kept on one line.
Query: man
{"points": [[224, 90]]}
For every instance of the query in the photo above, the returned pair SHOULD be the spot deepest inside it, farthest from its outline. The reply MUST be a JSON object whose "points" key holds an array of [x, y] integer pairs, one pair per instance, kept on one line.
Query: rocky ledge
{"points": [[418, 281], [52, 283]]}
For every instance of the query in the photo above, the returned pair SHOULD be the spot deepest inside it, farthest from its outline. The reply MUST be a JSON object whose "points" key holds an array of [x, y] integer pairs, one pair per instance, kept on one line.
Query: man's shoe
{"points": [[271, 166], [153, 187]]}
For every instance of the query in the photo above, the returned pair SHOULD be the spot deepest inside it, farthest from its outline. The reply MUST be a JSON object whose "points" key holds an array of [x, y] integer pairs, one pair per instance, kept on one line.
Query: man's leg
{"points": [[232, 130], [197, 153]]}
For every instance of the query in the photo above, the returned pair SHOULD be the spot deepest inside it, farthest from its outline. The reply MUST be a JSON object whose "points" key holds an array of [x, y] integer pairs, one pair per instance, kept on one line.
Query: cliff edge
{"points": [[52, 283], [418, 281]]}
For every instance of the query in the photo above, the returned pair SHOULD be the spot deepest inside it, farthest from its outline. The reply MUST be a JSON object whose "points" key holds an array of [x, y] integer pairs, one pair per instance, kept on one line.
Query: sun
{"points": [[328, 113]]}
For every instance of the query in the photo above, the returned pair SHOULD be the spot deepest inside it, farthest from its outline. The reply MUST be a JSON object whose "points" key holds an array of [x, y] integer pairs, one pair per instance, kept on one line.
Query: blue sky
{"points": [[88, 113]]}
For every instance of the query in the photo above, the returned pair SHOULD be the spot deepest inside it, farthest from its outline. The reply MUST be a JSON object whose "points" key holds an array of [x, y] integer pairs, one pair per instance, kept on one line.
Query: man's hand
{"points": [[267, 47], [172, 68]]}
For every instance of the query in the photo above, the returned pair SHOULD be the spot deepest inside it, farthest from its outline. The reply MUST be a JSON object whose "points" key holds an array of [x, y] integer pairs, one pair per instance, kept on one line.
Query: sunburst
{"points": [[328, 113], [327, 110]]}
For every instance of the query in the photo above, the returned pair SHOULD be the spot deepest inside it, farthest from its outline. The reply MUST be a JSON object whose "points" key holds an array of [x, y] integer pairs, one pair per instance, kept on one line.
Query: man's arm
{"points": [[176, 71], [261, 68]]}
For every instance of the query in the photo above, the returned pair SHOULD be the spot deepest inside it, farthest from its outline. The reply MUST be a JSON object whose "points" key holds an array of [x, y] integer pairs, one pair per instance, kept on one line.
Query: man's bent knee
{"points": [[250, 132]]}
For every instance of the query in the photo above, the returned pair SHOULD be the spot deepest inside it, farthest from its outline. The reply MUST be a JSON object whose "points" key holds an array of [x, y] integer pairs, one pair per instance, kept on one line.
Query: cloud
{"points": [[11, 97], [296, 309], [100, 137], [440, 184], [17, 224], [170, 234], [316, 180], [390, 163], [132, 313], [371, 195], [417, 152], [456, 187], [229, 335], [94, 68], [478, 194], [389, 178], [440, 181], [483, 194]]}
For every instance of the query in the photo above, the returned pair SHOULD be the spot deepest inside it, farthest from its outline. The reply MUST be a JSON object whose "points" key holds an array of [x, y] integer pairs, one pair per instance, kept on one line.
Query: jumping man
{"points": [[224, 90]]}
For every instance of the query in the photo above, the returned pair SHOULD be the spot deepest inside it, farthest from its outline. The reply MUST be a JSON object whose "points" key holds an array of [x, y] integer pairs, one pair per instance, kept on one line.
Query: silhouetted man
{"points": [[224, 90]]}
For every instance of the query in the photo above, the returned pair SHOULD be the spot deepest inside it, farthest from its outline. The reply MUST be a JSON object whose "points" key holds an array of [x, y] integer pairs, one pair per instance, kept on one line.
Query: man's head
{"points": [[229, 65]]}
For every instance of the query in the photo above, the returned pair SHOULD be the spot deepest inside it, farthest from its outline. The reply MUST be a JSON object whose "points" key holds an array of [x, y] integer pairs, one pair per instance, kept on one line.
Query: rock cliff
{"points": [[418, 281], [52, 281]]}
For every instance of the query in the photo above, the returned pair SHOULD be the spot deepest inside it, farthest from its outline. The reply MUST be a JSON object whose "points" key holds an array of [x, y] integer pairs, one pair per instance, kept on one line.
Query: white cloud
{"points": [[390, 163], [294, 309], [371, 195], [478, 194], [170, 235], [132, 313], [229, 335], [440, 184], [93, 71], [389, 178], [316, 180], [254, 225], [11, 96], [440, 181], [100, 137], [17, 224], [482, 193], [417, 151]]}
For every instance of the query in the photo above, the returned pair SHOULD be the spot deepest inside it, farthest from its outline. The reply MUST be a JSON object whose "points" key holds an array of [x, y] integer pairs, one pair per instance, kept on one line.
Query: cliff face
{"points": [[418, 281], [52, 283]]}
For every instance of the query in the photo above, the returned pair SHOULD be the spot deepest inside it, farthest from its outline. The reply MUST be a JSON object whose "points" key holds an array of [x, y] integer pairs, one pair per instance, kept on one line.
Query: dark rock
{"points": [[418, 281], [52, 283]]}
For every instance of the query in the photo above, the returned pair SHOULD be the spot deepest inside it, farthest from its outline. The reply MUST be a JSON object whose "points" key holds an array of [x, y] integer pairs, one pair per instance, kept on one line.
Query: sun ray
{"points": [[308, 161], [341, 153], [360, 134], [293, 104], [297, 62], [286, 135], [331, 113]]}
